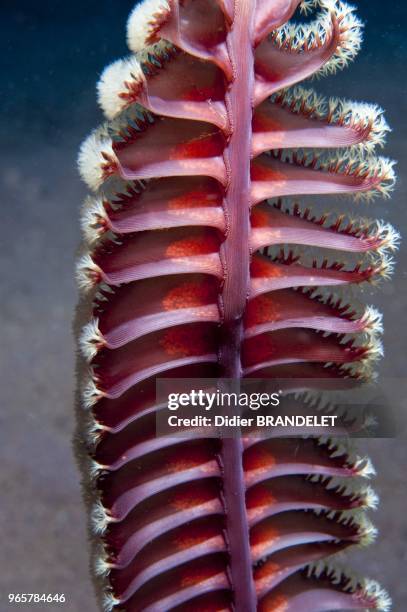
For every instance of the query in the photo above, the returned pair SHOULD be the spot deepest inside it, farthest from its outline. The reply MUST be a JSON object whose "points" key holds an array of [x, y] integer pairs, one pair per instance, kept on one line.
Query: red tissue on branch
{"points": [[200, 261]]}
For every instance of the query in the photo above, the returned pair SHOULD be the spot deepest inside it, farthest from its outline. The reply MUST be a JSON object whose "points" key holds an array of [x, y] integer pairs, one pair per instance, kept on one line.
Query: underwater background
{"points": [[53, 52]]}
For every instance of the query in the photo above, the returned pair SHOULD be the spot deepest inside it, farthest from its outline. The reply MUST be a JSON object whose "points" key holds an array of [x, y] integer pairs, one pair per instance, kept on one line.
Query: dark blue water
{"points": [[54, 51]]}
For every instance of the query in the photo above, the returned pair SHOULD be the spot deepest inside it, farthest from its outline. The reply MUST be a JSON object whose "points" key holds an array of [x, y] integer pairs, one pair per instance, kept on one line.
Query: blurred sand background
{"points": [[53, 53]]}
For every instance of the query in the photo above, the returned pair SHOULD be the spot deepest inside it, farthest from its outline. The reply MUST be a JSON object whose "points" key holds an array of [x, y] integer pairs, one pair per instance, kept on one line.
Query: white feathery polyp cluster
{"points": [[90, 393], [109, 601], [337, 112], [351, 162], [91, 158], [388, 235], [93, 213], [114, 81], [375, 349], [367, 531], [142, 20], [374, 591], [386, 267], [299, 36], [315, 33], [368, 589], [99, 518], [93, 433], [91, 339], [101, 566], [370, 497], [364, 467], [373, 320], [95, 469], [86, 272]]}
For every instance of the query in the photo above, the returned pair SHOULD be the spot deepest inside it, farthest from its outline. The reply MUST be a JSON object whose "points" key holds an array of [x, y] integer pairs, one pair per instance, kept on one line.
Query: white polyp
{"points": [[331, 569], [93, 212], [101, 566], [95, 468], [99, 518], [350, 37], [86, 269], [386, 268], [109, 601], [350, 32], [360, 115], [91, 339], [356, 115], [356, 164], [375, 348], [369, 114], [339, 449], [91, 160], [113, 81], [300, 35], [373, 320], [389, 236], [373, 590], [368, 532], [142, 20], [332, 5], [386, 171], [93, 433], [90, 393], [306, 6], [298, 99], [370, 498], [364, 467]]}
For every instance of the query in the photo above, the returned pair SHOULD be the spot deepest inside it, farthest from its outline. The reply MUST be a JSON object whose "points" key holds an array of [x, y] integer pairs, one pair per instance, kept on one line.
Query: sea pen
{"points": [[192, 270]]}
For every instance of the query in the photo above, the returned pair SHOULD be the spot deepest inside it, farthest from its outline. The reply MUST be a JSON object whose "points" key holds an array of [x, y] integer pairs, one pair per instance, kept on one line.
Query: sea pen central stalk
{"points": [[235, 249], [236, 259]]}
